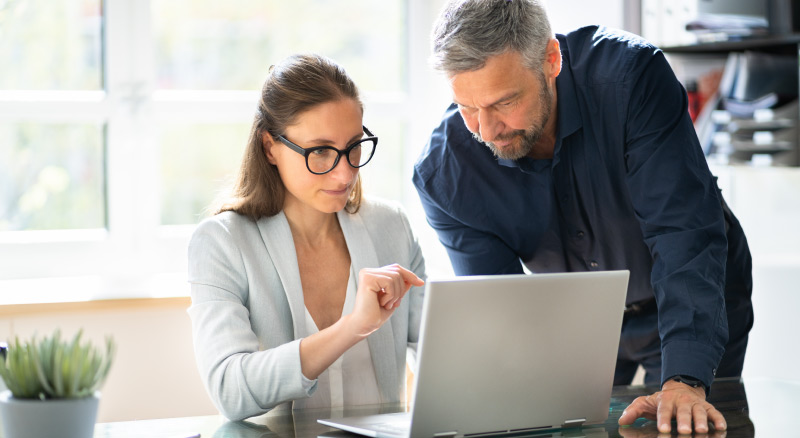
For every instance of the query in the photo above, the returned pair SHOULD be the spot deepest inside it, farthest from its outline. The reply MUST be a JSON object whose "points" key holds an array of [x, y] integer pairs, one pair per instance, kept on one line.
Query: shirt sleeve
{"points": [[677, 205], [242, 379], [471, 251], [309, 386]]}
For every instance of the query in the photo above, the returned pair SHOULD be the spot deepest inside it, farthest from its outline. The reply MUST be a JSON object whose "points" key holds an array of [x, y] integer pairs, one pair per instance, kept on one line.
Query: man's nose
{"points": [[488, 125]]}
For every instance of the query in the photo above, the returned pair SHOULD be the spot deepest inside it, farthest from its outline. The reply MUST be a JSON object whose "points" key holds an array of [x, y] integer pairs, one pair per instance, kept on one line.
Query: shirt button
{"points": [[593, 264], [580, 234]]}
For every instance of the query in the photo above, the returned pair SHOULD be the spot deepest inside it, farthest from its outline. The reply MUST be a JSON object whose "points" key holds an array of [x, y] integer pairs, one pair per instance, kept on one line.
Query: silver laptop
{"points": [[510, 354]]}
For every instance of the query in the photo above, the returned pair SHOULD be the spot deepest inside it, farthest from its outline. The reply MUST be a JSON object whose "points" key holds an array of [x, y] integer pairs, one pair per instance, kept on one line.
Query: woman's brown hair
{"points": [[294, 86]]}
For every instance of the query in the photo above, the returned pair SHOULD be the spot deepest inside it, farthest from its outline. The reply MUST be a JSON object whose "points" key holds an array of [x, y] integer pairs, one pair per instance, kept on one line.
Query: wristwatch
{"points": [[688, 380]]}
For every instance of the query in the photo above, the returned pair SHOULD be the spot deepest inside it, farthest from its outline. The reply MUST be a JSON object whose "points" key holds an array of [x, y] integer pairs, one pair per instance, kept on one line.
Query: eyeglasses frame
{"points": [[346, 151]]}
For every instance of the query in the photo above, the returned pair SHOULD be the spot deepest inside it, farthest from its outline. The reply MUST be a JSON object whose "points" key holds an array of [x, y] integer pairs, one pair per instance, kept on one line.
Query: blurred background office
{"points": [[121, 120]]}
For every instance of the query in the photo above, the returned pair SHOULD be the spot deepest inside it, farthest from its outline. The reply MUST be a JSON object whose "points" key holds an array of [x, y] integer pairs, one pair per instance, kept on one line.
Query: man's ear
{"points": [[268, 143], [552, 59]]}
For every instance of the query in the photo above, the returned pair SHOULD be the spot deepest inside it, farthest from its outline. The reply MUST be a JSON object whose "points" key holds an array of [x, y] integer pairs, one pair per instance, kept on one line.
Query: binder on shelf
{"points": [[768, 119], [755, 110], [745, 108], [760, 74], [765, 142]]}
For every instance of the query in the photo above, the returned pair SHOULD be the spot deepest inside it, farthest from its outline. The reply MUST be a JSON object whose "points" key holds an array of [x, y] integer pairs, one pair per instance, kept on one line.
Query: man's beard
{"points": [[529, 137]]}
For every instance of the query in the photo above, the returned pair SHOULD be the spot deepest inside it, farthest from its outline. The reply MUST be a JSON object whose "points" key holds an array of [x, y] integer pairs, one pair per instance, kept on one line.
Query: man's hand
{"points": [[675, 400], [650, 431]]}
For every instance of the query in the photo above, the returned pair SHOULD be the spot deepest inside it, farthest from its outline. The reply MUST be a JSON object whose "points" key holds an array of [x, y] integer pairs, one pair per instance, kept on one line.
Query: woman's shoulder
{"points": [[224, 220], [383, 214], [375, 206], [390, 232], [384, 217], [227, 224]]}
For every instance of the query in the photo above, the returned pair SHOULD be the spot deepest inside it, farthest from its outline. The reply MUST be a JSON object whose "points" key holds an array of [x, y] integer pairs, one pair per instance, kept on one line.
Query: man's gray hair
{"points": [[468, 32]]}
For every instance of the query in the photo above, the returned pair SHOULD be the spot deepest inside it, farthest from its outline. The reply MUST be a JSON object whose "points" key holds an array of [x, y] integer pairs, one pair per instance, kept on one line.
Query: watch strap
{"points": [[689, 380]]}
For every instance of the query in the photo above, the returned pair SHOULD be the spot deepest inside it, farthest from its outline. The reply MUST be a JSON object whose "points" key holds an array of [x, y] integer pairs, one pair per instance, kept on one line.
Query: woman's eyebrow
{"points": [[325, 141]]}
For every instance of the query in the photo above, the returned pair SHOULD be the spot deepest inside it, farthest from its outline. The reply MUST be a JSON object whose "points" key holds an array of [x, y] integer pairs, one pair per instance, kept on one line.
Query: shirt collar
{"points": [[569, 112]]}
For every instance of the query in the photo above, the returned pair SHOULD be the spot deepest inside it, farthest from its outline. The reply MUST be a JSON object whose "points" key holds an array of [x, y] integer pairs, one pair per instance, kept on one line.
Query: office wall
{"points": [[766, 203], [569, 15], [153, 374]]}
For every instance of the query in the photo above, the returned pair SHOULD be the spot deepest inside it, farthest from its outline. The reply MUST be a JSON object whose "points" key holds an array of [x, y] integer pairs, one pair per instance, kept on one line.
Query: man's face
{"points": [[504, 104]]}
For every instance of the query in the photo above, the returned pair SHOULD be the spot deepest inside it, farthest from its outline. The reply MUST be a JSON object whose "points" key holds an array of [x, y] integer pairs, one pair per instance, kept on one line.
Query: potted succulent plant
{"points": [[53, 387]]}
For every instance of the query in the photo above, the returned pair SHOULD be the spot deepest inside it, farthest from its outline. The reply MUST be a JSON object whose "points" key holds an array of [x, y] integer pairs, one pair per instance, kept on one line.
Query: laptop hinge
{"points": [[573, 423], [445, 434]]}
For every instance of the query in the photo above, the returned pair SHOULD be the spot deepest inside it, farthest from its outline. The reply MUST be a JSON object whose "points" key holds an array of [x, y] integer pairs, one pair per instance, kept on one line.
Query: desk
{"points": [[755, 407]]}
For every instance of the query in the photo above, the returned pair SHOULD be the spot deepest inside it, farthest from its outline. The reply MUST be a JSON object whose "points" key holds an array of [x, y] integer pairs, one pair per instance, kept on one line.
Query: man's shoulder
{"points": [[451, 129], [599, 54], [597, 33], [600, 40], [450, 146]]}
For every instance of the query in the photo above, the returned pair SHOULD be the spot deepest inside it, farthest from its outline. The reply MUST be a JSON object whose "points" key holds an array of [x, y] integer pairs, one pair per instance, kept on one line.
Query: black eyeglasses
{"points": [[322, 159]]}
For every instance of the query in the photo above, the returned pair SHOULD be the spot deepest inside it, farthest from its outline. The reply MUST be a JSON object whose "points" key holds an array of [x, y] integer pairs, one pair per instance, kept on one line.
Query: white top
{"points": [[351, 378]]}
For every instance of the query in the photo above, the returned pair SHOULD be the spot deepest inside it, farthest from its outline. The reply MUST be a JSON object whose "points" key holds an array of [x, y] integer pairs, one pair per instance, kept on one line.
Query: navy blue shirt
{"points": [[628, 187]]}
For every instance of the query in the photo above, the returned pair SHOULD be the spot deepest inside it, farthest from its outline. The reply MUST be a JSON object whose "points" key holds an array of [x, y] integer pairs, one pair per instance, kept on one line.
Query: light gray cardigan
{"points": [[248, 313]]}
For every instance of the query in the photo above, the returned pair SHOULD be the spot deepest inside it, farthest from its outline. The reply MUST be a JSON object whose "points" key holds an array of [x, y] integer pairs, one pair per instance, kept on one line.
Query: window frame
{"points": [[136, 256]]}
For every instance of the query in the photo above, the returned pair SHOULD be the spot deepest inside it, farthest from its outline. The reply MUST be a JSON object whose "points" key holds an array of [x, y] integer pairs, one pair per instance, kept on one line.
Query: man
{"points": [[577, 153]]}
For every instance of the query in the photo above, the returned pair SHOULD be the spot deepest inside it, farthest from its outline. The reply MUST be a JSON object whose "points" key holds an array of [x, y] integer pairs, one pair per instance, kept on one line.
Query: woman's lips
{"points": [[337, 192]]}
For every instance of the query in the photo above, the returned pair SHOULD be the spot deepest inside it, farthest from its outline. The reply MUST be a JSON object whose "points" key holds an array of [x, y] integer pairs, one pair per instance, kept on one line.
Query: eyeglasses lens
{"points": [[361, 154], [322, 160], [325, 159]]}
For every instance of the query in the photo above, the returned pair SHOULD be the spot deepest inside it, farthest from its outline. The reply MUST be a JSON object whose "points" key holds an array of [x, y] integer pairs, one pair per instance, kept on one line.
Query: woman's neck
{"points": [[312, 228]]}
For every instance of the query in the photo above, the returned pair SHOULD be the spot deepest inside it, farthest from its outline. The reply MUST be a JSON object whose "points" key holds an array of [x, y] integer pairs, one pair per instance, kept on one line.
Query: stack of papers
{"points": [[721, 27]]}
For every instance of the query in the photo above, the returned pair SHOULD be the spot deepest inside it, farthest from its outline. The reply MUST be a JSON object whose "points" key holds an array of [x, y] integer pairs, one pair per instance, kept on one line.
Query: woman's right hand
{"points": [[379, 293]]}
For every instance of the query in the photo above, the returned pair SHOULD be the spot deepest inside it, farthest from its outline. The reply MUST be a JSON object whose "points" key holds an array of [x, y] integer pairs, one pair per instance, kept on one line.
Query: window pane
{"points": [[52, 45], [198, 161], [51, 177], [208, 44], [384, 175]]}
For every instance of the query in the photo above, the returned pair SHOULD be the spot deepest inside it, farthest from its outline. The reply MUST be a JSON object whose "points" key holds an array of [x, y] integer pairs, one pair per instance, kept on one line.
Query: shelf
{"points": [[756, 68], [786, 42]]}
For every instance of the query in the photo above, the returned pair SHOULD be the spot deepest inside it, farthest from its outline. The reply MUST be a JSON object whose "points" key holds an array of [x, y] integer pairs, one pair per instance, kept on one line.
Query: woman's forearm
{"points": [[320, 350]]}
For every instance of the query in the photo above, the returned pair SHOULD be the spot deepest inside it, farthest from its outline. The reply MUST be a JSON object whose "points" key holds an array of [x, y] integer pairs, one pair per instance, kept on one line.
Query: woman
{"points": [[287, 302]]}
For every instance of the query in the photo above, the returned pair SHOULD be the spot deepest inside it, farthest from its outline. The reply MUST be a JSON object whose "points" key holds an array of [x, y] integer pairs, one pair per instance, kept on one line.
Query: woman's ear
{"points": [[269, 143]]}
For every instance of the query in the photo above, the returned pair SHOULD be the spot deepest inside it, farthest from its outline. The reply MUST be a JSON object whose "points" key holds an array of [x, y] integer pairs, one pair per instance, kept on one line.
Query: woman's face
{"points": [[336, 124]]}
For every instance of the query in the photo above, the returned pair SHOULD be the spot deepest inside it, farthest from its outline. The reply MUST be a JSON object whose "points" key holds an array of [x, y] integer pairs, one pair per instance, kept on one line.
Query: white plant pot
{"points": [[67, 418]]}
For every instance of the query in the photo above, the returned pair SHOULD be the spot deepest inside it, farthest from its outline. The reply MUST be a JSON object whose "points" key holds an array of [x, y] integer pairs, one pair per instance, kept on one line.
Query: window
{"points": [[52, 45], [51, 172], [51, 176], [121, 120]]}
